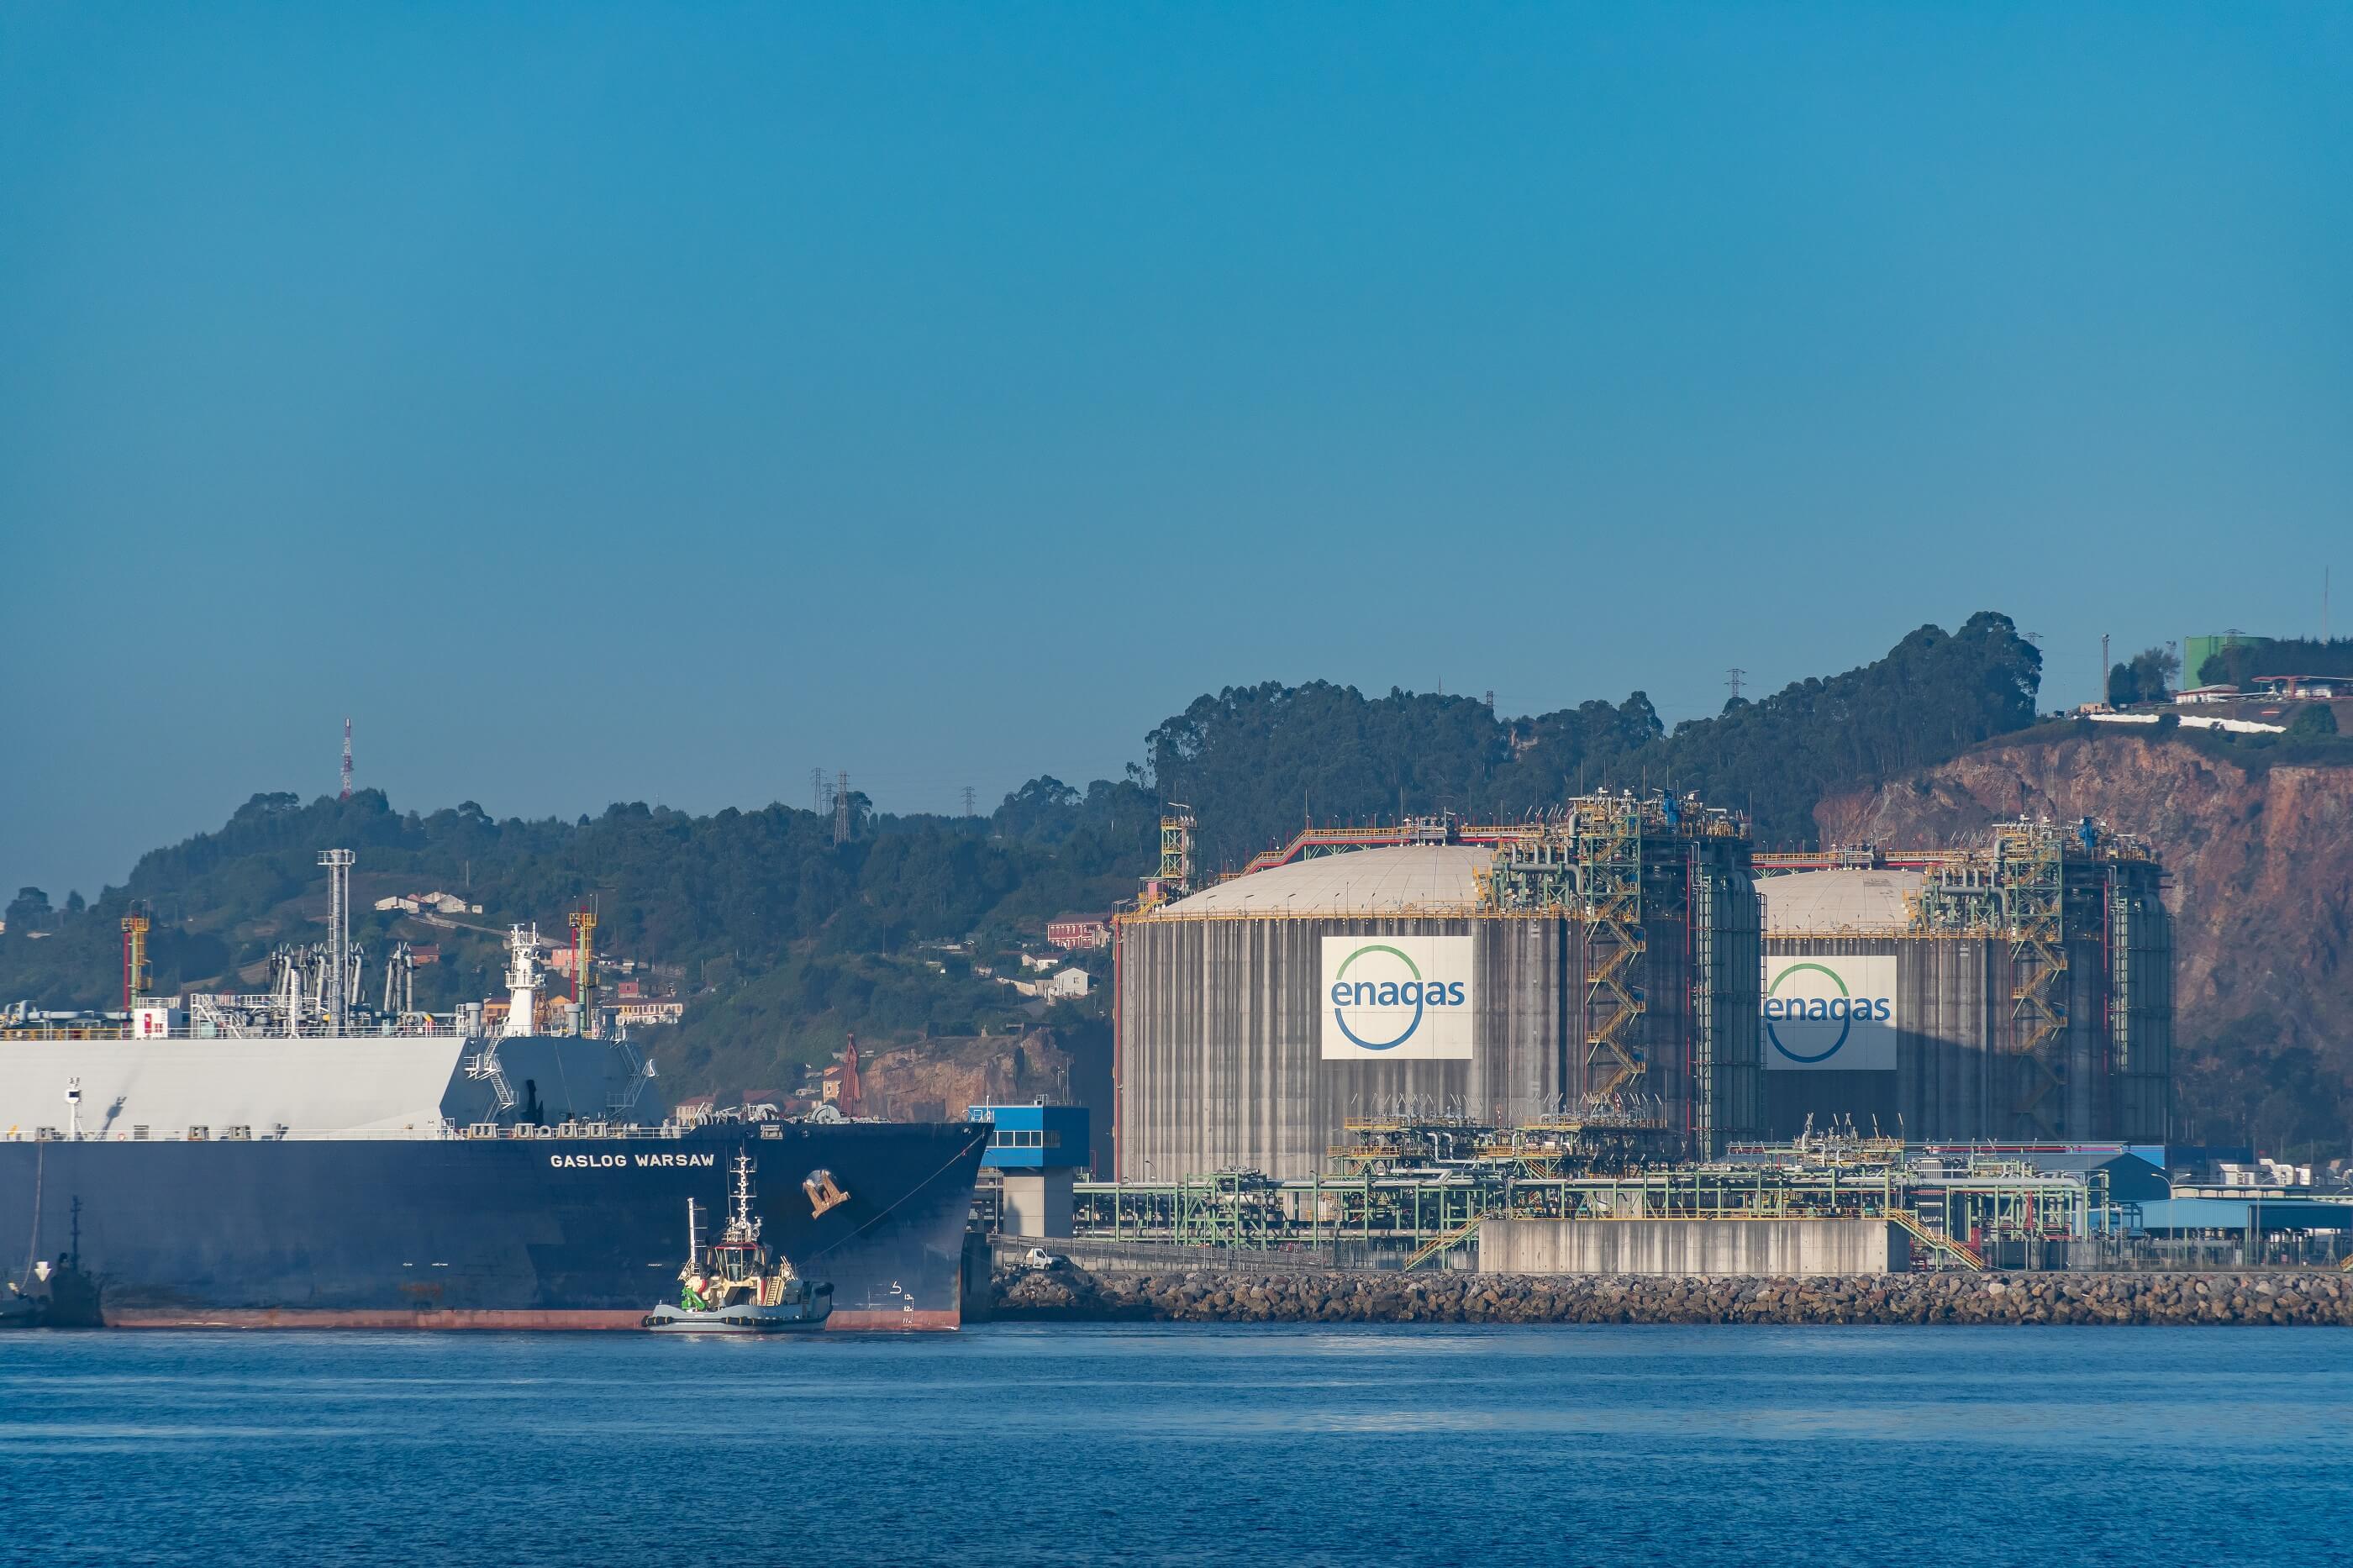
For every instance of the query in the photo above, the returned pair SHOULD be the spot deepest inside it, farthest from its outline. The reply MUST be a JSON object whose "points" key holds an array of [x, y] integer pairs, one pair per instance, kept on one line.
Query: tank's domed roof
{"points": [[1820, 903], [1439, 877]]}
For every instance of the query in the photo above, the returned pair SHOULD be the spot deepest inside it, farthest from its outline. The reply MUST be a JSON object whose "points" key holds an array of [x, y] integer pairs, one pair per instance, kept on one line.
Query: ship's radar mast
{"points": [[522, 980]]}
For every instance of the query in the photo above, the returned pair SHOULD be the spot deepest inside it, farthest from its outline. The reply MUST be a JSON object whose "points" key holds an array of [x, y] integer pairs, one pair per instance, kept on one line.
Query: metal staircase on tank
{"points": [[2030, 866], [1611, 854]]}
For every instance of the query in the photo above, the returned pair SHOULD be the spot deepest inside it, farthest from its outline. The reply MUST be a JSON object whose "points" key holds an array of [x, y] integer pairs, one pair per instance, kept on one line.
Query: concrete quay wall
{"points": [[1681, 1248], [1071, 1295]]}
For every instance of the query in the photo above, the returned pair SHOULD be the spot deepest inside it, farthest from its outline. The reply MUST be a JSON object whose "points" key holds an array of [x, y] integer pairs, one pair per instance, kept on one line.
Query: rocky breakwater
{"points": [[1067, 1294]]}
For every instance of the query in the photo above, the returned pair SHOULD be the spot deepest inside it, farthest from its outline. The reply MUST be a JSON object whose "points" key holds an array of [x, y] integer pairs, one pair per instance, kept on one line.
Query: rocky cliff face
{"points": [[939, 1078], [2261, 861], [936, 1079]]}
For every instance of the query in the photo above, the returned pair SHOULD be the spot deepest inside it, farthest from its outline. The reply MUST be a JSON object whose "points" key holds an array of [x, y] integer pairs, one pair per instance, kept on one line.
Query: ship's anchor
{"points": [[823, 1192]]}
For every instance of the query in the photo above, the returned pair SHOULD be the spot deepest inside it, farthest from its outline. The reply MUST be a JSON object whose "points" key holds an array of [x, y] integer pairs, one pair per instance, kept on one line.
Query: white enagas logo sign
{"points": [[1830, 1014], [1398, 998]]}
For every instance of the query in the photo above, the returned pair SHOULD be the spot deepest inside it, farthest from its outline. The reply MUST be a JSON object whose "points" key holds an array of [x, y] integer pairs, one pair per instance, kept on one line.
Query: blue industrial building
{"points": [[2247, 1216], [1033, 1137], [1038, 1151]]}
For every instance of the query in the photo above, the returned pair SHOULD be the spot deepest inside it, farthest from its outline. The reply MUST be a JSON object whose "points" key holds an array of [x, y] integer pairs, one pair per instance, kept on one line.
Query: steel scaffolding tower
{"points": [[1610, 853]]}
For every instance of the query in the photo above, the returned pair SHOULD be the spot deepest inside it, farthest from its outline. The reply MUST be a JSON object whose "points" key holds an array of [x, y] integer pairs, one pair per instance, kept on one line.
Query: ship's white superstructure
{"points": [[522, 979], [385, 1085], [306, 1058]]}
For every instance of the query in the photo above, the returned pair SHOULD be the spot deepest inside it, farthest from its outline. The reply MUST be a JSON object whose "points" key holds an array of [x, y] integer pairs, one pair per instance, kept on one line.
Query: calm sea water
{"points": [[1137, 1443]]}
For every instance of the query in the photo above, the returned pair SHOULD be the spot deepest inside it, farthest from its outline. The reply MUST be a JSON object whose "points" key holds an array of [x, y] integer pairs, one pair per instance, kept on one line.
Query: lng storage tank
{"points": [[1630, 968]]}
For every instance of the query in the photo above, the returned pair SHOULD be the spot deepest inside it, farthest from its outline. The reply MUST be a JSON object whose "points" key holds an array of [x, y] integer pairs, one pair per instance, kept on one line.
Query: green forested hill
{"points": [[782, 940], [1252, 761], [727, 899]]}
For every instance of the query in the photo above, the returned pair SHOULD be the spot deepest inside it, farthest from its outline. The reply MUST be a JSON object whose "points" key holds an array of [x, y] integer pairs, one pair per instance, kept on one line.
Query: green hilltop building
{"points": [[2196, 651]]}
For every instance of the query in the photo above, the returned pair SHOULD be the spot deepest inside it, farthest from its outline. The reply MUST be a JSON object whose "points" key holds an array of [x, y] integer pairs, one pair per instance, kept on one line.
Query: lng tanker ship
{"points": [[282, 1160]]}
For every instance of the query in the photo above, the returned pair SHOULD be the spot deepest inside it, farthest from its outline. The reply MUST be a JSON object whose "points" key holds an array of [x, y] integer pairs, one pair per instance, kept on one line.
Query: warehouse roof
{"points": [[1811, 903], [2232, 1214], [1356, 882], [2131, 1179]]}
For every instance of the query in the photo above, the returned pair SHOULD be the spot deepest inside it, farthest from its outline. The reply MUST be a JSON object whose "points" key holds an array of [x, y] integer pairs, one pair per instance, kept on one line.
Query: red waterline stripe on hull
{"points": [[280, 1317], [850, 1319], [274, 1318]]}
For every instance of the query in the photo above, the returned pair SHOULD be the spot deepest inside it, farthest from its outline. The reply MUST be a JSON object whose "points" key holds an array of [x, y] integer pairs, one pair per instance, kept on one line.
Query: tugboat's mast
{"points": [[742, 1224]]}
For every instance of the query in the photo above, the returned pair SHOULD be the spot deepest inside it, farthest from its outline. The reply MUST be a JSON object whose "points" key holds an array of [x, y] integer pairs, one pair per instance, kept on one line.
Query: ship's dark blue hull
{"points": [[490, 1232]]}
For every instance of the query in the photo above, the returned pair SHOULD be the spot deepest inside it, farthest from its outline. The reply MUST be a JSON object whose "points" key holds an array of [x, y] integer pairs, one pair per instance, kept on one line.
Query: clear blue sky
{"points": [[656, 403]]}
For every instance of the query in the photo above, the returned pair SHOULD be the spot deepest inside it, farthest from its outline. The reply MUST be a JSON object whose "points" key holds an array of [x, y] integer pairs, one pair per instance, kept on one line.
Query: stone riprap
{"points": [[1067, 1294]]}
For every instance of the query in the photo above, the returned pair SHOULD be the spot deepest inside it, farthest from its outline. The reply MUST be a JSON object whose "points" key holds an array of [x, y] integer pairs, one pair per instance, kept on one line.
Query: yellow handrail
{"points": [[1937, 1241], [1439, 1244]]}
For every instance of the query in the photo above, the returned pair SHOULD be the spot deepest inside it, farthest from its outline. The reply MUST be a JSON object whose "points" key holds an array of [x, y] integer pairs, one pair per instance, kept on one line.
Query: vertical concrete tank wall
{"points": [[1220, 1055], [2139, 1001], [1953, 1078], [1973, 1060]]}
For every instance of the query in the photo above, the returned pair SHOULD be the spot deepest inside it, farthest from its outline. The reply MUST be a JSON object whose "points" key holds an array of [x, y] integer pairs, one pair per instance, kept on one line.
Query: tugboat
{"points": [[54, 1295], [735, 1286]]}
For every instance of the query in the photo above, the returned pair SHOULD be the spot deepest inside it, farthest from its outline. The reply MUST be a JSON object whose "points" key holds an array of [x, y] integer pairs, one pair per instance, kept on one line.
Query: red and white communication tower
{"points": [[347, 759]]}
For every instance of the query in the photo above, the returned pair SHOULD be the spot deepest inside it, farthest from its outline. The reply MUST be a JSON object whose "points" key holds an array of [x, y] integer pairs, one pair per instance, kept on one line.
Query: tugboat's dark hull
{"points": [[494, 1233]]}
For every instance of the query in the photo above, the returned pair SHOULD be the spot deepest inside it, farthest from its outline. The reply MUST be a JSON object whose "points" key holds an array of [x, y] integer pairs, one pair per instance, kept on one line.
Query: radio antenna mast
{"points": [[347, 760]]}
